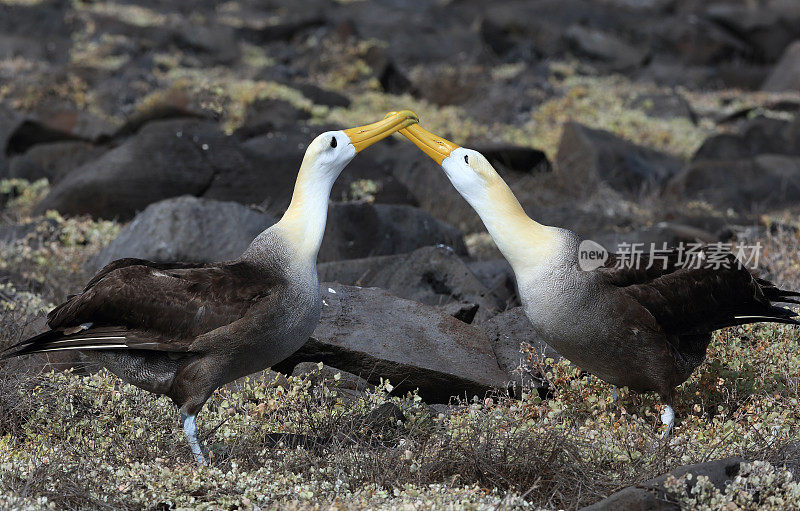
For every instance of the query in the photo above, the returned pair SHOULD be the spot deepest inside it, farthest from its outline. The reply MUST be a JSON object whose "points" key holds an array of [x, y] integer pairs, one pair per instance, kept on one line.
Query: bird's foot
{"points": [[668, 419], [190, 429], [614, 393]]}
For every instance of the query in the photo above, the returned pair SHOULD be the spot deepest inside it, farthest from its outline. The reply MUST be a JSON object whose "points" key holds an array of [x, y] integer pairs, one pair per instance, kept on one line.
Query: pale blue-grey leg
{"points": [[668, 418], [190, 428], [614, 394]]}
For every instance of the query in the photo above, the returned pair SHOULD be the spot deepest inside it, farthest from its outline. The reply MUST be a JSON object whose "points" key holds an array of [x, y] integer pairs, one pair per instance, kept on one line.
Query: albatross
{"points": [[644, 326], [185, 329]]}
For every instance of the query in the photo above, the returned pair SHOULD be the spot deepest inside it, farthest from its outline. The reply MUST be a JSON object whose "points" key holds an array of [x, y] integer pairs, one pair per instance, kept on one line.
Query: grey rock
{"points": [[266, 168], [754, 184], [268, 115], [432, 275], [498, 277], [605, 47], [370, 333], [216, 42], [164, 159], [362, 229], [36, 32], [9, 120], [766, 29], [462, 311], [757, 136], [186, 229], [322, 96], [440, 33], [663, 105], [516, 158], [53, 161], [512, 337], [650, 496], [671, 234], [593, 156], [785, 75], [332, 376]]}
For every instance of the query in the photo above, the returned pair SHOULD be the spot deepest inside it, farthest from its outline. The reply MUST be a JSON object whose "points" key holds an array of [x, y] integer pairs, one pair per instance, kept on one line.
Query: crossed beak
{"points": [[364, 136], [436, 147]]}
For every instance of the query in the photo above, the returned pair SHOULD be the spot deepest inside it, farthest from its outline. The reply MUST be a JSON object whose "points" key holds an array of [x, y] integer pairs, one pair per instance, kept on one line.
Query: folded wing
{"points": [[138, 304], [688, 296]]}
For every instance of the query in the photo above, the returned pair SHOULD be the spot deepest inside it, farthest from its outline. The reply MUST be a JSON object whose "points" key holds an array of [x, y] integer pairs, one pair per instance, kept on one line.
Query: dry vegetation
{"points": [[92, 441], [74, 441]]}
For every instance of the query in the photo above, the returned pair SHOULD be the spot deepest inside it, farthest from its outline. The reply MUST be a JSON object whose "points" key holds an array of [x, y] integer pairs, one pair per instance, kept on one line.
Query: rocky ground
{"points": [[175, 130]]}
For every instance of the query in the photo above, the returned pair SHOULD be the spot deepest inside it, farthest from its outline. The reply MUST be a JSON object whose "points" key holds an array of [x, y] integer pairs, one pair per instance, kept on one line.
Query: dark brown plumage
{"points": [[183, 329], [641, 325], [689, 300]]}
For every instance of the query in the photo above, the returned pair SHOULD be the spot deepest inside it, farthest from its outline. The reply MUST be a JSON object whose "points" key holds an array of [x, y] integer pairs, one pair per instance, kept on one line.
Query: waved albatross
{"points": [[184, 329], [644, 328]]}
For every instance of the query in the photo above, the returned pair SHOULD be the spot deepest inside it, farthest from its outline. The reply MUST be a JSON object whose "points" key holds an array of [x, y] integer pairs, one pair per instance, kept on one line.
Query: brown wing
{"points": [[694, 298], [137, 304]]}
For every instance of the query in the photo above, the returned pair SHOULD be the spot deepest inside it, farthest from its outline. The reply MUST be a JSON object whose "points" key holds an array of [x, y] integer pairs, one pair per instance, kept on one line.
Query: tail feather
{"points": [[58, 340], [776, 294]]}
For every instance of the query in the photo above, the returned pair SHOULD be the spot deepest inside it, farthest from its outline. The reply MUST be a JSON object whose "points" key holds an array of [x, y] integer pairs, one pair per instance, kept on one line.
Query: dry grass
{"points": [[96, 442]]}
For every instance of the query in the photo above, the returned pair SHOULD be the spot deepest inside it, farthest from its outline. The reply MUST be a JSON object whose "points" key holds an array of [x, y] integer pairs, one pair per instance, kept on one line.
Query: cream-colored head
{"points": [[522, 241], [303, 224], [476, 180], [327, 156]]}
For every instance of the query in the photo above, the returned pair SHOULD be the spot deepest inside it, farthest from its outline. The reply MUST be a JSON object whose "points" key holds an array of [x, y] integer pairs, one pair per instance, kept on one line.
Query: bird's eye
{"points": [[333, 142], [466, 159]]}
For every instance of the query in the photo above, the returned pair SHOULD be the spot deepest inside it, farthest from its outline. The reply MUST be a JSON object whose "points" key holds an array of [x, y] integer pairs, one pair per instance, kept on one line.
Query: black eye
{"points": [[333, 142], [466, 159]]}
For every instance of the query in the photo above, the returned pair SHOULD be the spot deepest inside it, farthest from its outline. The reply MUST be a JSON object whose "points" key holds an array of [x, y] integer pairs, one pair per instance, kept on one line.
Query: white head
{"points": [[329, 154], [469, 171], [303, 224], [471, 174], [522, 241]]}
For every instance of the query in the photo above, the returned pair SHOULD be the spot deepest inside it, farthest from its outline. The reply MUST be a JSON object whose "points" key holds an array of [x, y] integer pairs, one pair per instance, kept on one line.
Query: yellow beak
{"points": [[364, 136], [436, 147]]}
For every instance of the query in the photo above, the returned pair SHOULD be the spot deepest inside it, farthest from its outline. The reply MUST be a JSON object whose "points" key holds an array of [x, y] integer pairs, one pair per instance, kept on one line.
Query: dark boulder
{"points": [[362, 229], [213, 43], [785, 76], [285, 27], [513, 338], [663, 105], [591, 156], [53, 161], [430, 275], [186, 229], [267, 169], [698, 41], [652, 496], [268, 115], [605, 47], [440, 33], [516, 158], [745, 185], [654, 236], [370, 333], [320, 96], [172, 103], [164, 159], [498, 277], [757, 136], [202, 230], [765, 29], [9, 120], [64, 118], [39, 31]]}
